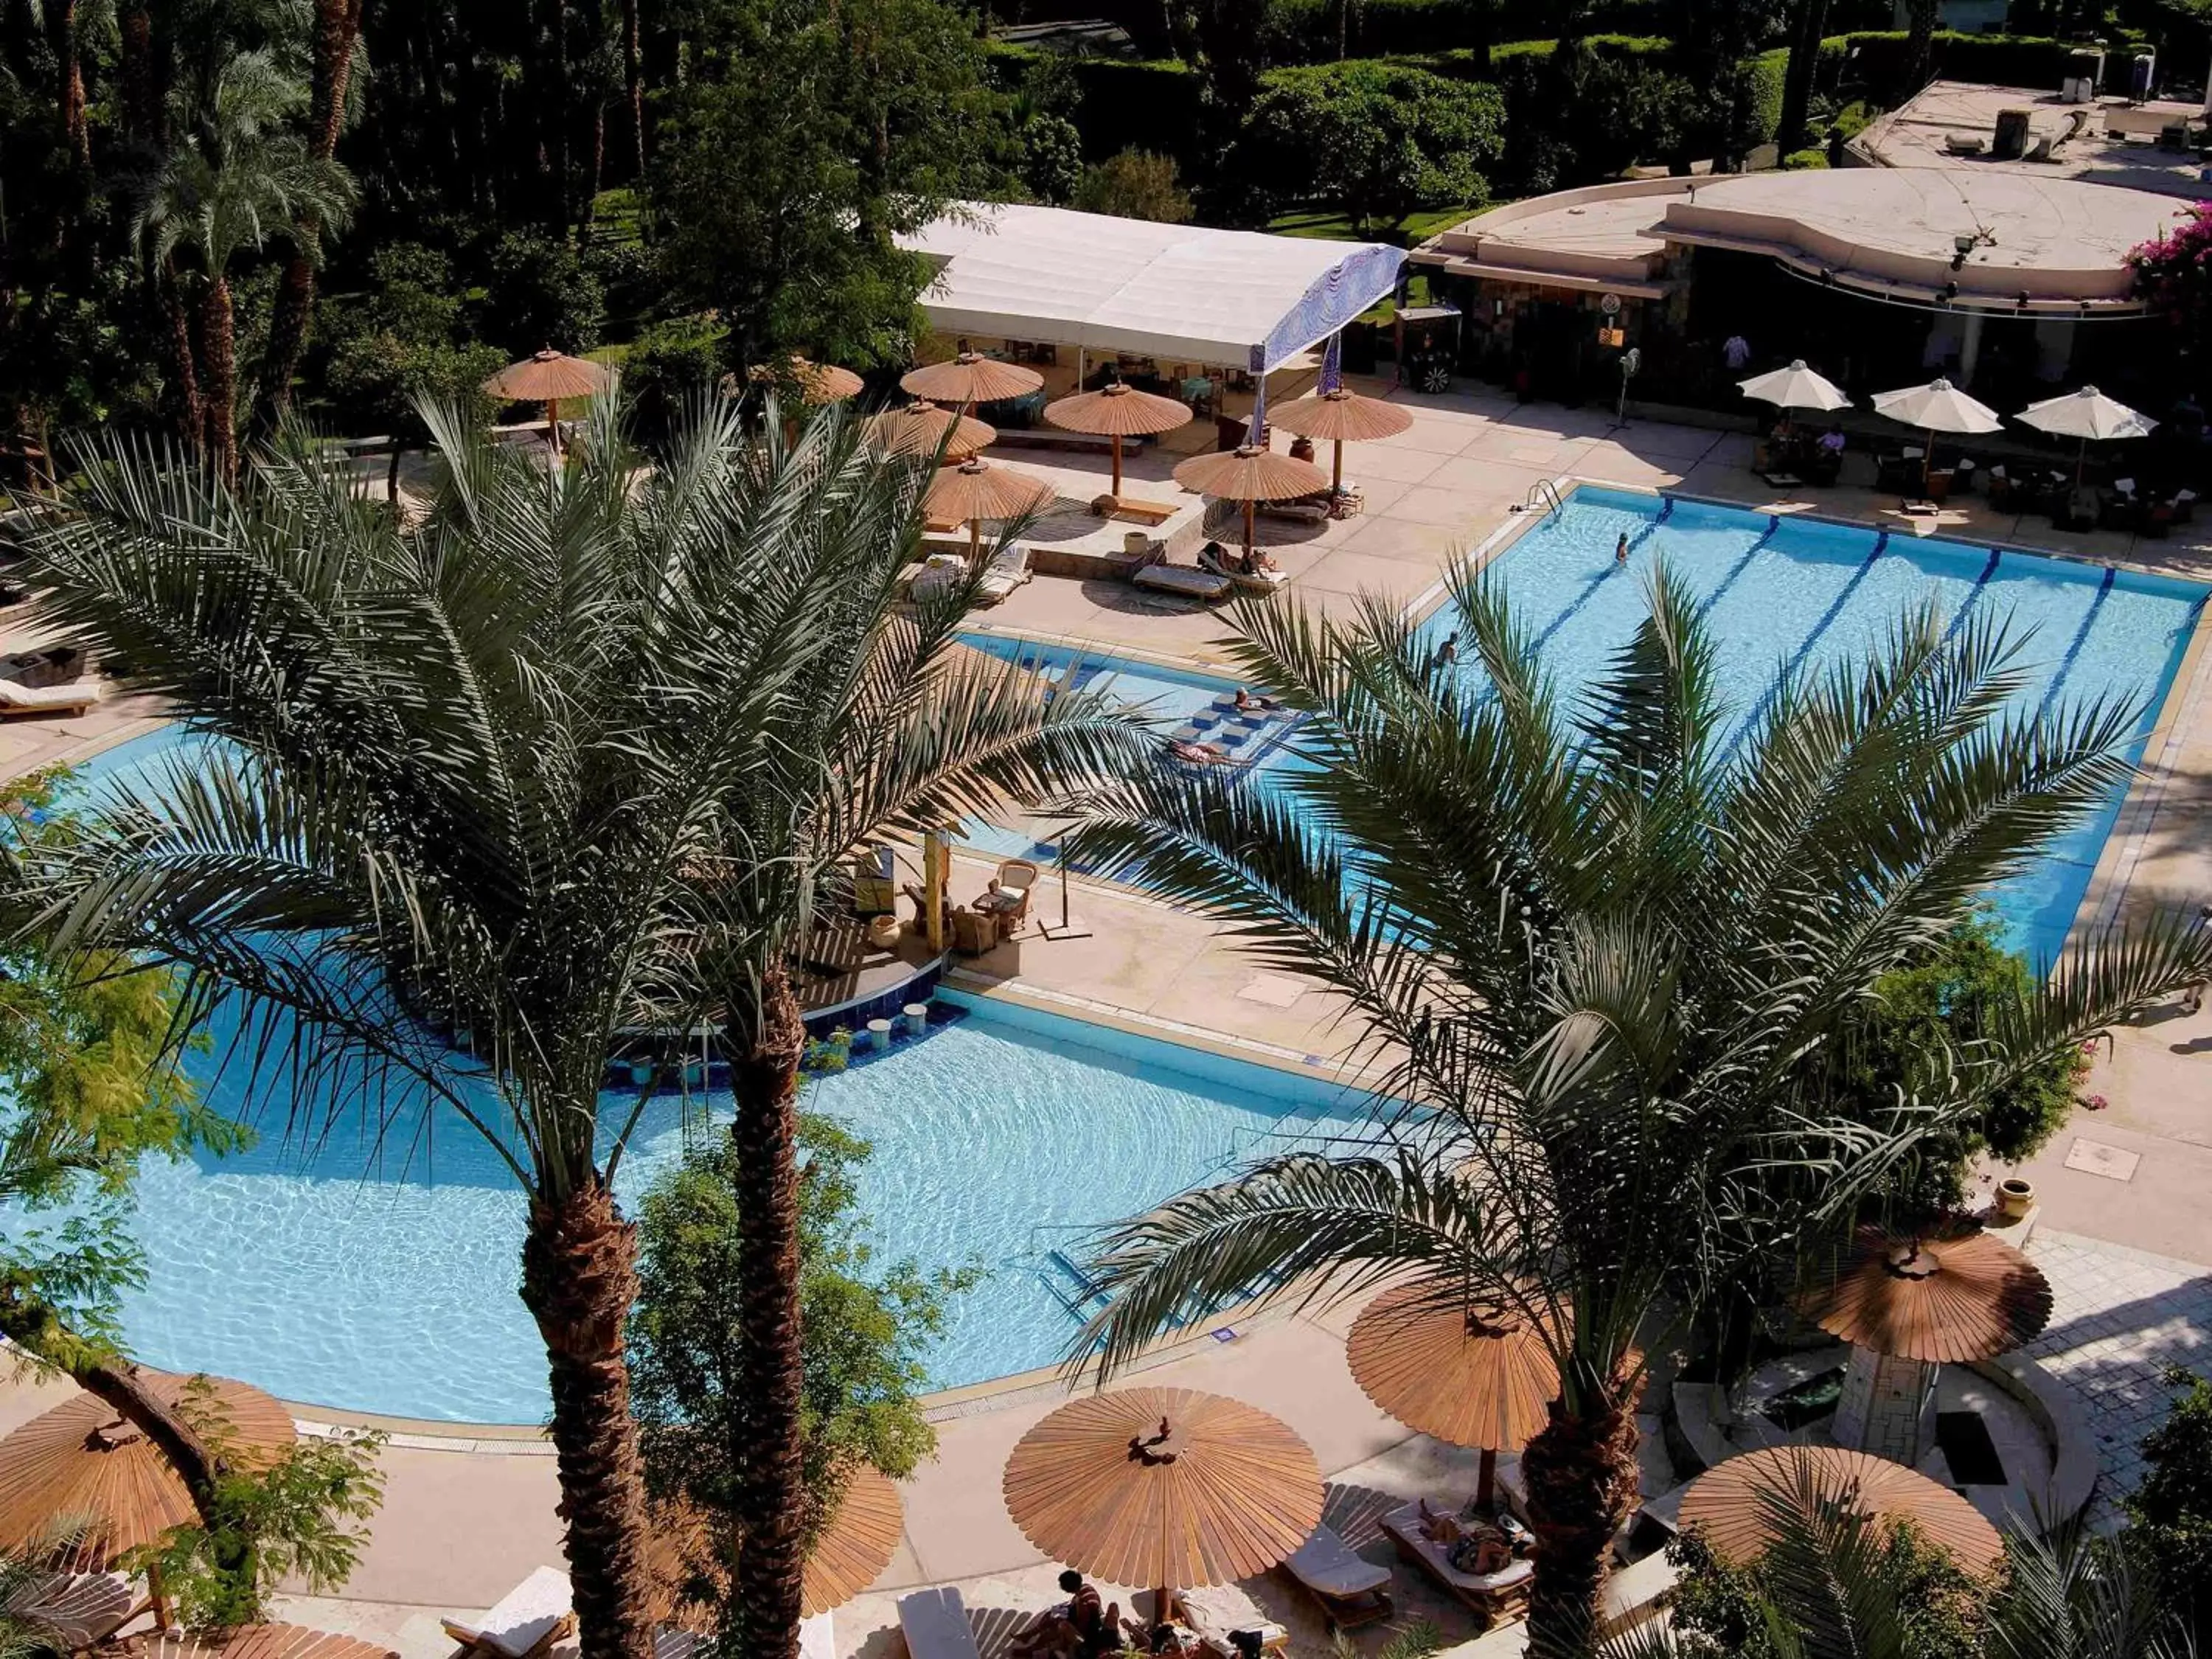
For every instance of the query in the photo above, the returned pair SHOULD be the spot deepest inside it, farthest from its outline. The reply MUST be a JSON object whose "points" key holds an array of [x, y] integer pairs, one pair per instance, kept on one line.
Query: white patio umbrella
{"points": [[1795, 387], [1939, 406], [2085, 415]]}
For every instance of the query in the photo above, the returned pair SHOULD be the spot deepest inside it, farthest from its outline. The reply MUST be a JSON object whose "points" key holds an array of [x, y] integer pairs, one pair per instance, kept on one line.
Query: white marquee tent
{"points": [[1177, 292]]}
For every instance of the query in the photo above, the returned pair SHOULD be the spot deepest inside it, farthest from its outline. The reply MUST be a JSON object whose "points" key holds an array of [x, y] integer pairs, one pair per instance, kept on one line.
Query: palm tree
{"points": [[1835, 1583], [880, 723], [235, 177], [484, 770], [336, 45], [1604, 952]]}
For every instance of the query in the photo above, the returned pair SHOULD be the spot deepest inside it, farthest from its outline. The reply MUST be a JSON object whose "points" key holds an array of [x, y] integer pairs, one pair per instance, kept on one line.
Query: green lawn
{"points": [[1413, 228]]}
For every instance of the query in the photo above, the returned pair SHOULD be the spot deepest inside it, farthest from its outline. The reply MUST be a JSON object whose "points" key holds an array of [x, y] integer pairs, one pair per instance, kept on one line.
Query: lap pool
{"points": [[1773, 590]]}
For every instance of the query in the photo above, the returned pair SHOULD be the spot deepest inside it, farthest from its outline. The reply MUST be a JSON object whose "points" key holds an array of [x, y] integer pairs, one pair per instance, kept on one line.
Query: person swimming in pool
{"points": [[1621, 549], [1246, 702]]}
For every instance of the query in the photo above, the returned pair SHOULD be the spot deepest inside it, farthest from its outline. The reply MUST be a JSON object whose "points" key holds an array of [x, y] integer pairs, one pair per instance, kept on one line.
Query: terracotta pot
{"points": [[2015, 1198]]}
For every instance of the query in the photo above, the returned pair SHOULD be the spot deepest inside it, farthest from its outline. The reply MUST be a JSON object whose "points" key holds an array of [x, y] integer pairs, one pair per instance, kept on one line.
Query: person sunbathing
{"points": [[1197, 754], [1246, 702]]}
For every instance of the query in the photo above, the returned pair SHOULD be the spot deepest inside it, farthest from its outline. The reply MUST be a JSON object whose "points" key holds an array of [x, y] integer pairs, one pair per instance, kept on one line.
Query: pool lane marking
{"points": [[1773, 524], [1597, 581], [1827, 619], [2080, 638], [1959, 616]]}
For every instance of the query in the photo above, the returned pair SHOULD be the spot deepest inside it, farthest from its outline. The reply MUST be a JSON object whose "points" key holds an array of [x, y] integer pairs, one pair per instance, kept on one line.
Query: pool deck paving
{"points": [[468, 1513]]}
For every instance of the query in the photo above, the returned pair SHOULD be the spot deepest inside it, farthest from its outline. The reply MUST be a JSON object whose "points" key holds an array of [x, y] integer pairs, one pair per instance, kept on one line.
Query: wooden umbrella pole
{"points": [[553, 423], [1336, 483], [974, 539], [1116, 490], [1250, 508], [1486, 1483]]}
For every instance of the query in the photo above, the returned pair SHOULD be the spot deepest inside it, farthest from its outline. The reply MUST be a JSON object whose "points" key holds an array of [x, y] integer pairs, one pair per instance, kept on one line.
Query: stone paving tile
{"points": [[2120, 1317]]}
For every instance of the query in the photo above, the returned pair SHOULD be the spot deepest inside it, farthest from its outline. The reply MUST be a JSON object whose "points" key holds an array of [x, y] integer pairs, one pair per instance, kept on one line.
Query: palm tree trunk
{"points": [[182, 360], [1919, 46], [337, 31], [1807, 19], [69, 78], [141, 101], [579, 1279], [764, 1085], [634, 84], [1581, 1476], [219, 344]]}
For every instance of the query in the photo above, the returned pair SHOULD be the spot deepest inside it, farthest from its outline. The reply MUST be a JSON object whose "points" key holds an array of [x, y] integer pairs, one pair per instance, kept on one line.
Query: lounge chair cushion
{"points": [[1328, 1566], [1405, 1525], [85, 1608], [77, 694], [1182, 578], [528, 1616], [935, 1623], [1216, 1610]]}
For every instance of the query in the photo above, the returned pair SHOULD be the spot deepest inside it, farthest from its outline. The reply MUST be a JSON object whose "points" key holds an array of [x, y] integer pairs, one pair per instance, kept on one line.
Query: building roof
{"points": [[2055, 239], [1232, 297], [2117, 143], [1894, 231]]}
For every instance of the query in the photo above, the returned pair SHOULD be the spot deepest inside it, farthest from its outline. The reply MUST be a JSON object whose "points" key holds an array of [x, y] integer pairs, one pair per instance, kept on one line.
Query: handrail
{"points": [[1542, 490]]}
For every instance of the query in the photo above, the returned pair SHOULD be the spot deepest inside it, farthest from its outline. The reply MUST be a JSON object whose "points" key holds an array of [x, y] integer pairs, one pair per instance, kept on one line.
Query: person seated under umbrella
{"points": [[1085, 1626]]}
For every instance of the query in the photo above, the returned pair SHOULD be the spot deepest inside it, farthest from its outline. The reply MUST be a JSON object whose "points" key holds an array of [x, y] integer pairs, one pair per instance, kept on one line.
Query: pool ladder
{"points": [[1541, 493]]}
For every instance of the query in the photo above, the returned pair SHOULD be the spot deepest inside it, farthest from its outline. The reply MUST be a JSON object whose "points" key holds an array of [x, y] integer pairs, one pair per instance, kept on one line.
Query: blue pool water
{"points": [[383, 1279], [1781, 590], [1774, 591]]}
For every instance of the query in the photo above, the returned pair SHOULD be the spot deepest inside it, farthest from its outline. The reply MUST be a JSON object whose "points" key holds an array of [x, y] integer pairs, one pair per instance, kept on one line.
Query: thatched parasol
{"points": [[1952, 1295], [1251, 474], [1118, 411], [546, 378], [1343, 417], [1733, 1503], [976, 490], [921, 429], [259, 1641], [818, 383], [1469, 1374], [1166, 1488], [970, 378], [83, 1461], [850, 1553]]}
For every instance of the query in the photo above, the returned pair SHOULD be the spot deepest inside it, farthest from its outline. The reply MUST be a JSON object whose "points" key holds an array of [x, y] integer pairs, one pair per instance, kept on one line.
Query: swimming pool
{"points": [[1773, 590], [339, 1276]]}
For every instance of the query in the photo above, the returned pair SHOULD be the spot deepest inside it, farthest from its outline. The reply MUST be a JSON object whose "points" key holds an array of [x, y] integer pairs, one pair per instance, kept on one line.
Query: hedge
{"points": [[1128, 102], [1876, 60]]}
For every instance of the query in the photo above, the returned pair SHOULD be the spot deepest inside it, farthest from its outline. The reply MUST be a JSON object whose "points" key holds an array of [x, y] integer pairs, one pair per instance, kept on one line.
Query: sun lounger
{"points": [[1216, 1610], [529, 1619], [938, 575], [1351, 1590], [817, 1637], [1009, 569], [935, 1625], [1185, 581], [16, 698], [1491, 1594], [83, 1608], [1253, 582], [1143, 512]]}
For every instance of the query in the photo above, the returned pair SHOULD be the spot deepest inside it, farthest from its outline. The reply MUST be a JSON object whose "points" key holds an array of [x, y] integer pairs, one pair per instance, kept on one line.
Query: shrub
{"points": [[1815, 160], [1051, 157], [1374, 140], [1724, 1612], [540, 296], [2169, 1515], [670, 364], [1135, 184]]}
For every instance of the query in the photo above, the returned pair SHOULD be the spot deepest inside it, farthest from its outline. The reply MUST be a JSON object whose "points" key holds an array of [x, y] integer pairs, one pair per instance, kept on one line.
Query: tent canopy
{"points": [[1236, 297]]}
